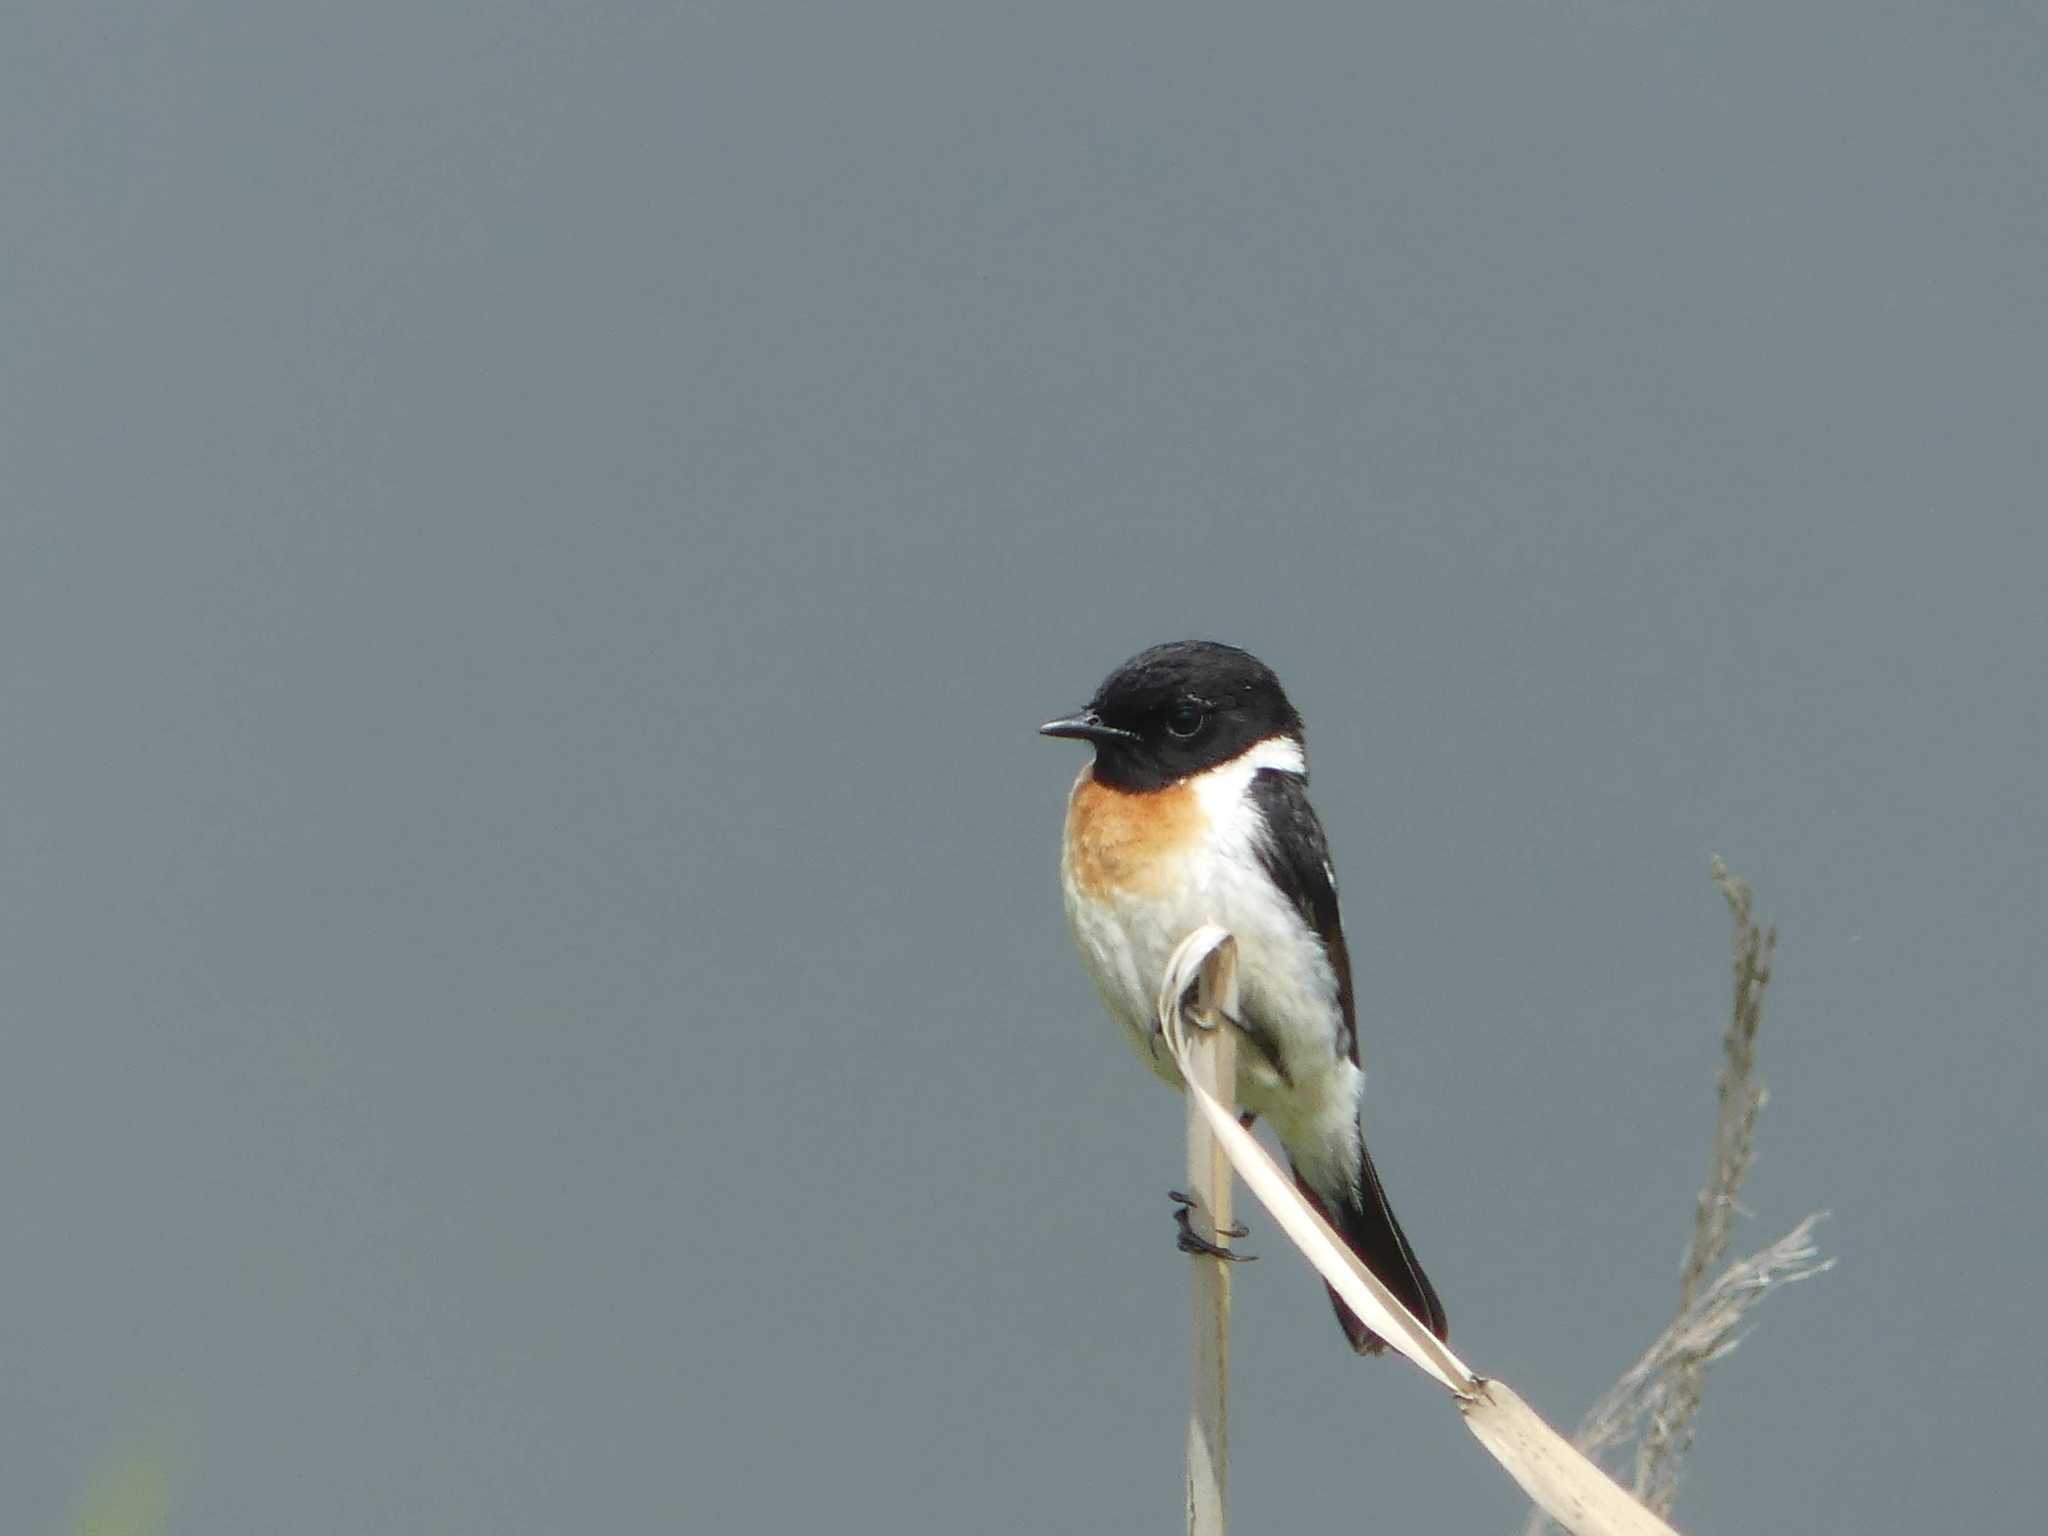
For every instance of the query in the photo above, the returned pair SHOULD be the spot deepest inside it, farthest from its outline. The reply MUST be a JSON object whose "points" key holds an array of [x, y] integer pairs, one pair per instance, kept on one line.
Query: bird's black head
{"points": [[1177, 710]]}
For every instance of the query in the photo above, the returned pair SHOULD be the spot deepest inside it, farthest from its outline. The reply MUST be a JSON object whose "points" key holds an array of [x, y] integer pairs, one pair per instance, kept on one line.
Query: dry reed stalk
{"points": [[1211, 1064]]}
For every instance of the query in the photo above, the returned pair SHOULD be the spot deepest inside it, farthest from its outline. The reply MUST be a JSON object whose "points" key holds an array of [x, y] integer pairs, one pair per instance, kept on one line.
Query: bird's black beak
{"points": [[1086, 726]]}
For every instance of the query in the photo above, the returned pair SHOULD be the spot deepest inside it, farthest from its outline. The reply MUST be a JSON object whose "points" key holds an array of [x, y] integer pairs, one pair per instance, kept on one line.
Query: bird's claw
{"points": [[1192, 1242]]}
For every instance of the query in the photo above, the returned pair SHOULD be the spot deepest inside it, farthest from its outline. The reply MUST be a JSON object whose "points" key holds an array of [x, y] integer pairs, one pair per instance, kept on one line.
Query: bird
{"points": [[1195, 810]]}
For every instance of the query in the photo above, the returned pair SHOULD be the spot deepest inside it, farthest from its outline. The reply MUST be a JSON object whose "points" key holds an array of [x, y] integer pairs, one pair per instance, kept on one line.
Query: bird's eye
{"points": [[1184, 718]]}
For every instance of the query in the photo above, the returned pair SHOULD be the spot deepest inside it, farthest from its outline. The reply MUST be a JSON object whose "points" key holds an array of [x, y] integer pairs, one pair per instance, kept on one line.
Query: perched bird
{"points": [[1195, 810]]}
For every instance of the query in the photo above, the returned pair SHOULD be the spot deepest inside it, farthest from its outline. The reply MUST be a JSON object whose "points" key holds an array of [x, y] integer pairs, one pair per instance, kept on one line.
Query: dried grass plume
{"points": [[1655, 1401]]}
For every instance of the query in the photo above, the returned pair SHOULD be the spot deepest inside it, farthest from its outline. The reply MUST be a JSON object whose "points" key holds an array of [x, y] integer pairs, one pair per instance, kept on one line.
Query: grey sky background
{"points": [[534, 543]]}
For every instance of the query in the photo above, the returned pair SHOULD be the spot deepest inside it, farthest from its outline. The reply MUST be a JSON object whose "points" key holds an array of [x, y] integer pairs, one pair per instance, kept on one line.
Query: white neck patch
{"points": [[1282, 752], [1221, 790]]}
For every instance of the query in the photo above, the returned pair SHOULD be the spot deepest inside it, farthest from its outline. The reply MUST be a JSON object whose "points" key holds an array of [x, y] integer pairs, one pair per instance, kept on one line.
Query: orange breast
{"points": [[1120, 841]]}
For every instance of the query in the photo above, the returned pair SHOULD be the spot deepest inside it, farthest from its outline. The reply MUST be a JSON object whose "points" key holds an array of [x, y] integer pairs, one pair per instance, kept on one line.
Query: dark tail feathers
{"points": [[1370, 1229]]}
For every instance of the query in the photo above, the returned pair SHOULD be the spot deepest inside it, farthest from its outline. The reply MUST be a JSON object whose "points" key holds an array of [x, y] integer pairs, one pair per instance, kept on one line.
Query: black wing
{"points": [[1297, 856]]}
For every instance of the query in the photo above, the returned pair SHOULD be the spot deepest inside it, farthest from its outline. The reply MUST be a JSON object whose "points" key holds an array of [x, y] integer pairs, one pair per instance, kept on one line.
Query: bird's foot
{"points": [[1190, 1241]]}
